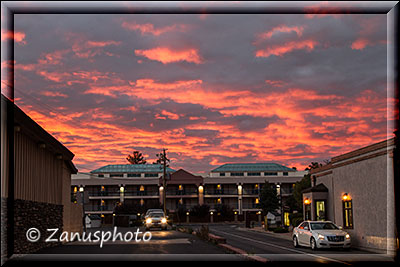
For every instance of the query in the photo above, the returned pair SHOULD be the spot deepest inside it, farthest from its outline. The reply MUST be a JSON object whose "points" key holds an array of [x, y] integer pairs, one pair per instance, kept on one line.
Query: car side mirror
{"points": [[306, 228]]}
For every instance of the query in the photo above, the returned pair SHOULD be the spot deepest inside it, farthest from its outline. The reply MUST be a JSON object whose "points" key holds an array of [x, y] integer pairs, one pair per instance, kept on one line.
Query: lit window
{"points": [[141, 188], [348, 214], [180, 187]]}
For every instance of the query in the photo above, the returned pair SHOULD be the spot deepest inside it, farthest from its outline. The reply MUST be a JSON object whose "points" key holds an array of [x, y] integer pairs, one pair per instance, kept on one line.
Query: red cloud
{"points": [[166, 55], [280, 50], [18, 37], [360, 44], [282, 28], [149, 28]]}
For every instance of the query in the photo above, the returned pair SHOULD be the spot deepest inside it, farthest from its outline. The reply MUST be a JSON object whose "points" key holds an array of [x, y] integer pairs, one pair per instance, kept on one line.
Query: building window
{"points": [[101, 175], [286, 220], [270, 173], [285, 173], [320, 210], [348, 214], [221, 174], [151, 175], [116, 175], [254, 174], [237, 173], [134, 175]]}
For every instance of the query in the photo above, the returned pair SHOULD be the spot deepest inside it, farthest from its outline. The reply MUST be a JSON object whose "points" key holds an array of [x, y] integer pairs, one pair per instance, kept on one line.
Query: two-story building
{"points": [[236, 185]]}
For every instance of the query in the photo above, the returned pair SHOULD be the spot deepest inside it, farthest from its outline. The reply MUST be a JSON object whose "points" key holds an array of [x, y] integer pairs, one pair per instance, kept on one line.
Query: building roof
{"points": [[184, 177], [35, 132], [131, 168], [317, 188], [252, 167]]}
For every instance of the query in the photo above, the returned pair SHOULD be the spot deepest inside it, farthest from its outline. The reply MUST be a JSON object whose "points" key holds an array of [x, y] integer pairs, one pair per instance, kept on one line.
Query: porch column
{"points": [[201, 194]]}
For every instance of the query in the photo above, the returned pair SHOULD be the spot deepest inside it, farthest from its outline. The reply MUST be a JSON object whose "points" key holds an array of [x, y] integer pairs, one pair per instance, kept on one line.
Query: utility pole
{"points": [[164, 159]]}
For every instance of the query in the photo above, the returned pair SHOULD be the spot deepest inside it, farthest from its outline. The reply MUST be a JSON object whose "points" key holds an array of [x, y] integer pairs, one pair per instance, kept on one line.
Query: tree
{"points": [[136, 158], [160, 159], [297, 202], [269, 201]]}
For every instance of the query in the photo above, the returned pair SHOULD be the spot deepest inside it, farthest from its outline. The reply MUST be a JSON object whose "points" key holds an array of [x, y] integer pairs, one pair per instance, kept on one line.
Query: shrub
{"points": [[296, 218], [280, 230]]}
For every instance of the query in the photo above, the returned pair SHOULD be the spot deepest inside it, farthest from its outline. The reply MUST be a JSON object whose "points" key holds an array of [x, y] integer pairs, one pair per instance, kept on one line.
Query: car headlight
{"points": [[163, 220], [321, 237], [347, 236], [148, 220]]}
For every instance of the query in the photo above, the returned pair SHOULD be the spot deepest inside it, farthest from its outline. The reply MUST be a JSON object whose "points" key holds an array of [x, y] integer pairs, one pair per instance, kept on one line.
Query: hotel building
{"points": [[236, 185]]}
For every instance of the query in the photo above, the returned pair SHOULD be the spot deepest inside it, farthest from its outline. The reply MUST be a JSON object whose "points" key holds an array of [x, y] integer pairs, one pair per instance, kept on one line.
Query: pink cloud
{"points": [[280, 50], [18, 37], [166, 55], [149, 28], [282, 28]]}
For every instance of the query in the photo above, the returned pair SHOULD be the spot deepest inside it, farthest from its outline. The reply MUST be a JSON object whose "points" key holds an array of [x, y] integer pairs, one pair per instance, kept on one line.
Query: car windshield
{"points": [[156, 215], [323, 226]]}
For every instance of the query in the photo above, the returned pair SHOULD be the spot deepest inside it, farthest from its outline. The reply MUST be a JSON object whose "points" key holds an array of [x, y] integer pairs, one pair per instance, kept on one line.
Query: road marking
{"points": [[289, 249]]}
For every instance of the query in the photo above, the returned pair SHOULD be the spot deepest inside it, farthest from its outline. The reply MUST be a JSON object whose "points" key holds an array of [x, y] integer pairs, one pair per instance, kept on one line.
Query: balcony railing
{"points": [[221, 192], [99, 208], [181, 192], [103, 193], [141, 193], [250, 206], [250, 191]]}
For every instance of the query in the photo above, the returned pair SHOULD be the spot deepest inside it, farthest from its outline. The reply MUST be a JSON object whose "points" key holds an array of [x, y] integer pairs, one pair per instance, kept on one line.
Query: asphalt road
{"points": [[163, 246], [280, 249], [172, 245]]}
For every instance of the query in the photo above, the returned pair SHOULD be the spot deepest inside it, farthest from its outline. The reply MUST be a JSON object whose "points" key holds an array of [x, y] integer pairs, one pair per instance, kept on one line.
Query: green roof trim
{"points": [[252, 167], [132, 168]]}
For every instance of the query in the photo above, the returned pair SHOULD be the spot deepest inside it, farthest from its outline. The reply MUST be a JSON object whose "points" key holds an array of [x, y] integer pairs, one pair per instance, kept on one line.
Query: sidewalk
{"points": [[286, 236]]}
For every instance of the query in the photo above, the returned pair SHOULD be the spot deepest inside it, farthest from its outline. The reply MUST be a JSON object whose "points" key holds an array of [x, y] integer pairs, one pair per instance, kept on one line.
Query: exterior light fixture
{"points": [[307, 201], [187, 213], [211, 213], [201, 188], [81, 189], [346, 197], [121, 189], [161, 188]]}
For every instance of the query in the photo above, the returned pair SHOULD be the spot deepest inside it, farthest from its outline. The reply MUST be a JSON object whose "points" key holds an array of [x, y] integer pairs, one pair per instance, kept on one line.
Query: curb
{"points": [[243, 253]]}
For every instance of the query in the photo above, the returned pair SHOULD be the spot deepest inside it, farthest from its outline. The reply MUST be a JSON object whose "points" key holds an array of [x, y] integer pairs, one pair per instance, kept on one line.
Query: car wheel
{"points": [[313, 244], [295, 242]]}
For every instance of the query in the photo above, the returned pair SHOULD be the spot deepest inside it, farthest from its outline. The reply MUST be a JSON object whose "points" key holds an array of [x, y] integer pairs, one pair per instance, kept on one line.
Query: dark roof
{"points": [[317, 188], [252, 167], [35, 132], [132, 168], [184, 177]]}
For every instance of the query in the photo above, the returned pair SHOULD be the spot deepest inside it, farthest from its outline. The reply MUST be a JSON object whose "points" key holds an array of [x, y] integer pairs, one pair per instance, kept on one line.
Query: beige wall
{"points": [[366, 182]]}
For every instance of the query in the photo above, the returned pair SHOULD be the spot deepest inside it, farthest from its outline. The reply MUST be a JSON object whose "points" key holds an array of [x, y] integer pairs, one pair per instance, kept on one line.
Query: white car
{"points": [[156, 220], [320, 234]]}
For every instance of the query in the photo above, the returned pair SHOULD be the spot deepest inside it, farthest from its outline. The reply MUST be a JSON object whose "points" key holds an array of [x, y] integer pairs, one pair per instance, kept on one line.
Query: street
{"points": [[177, 246], [277, 248]]}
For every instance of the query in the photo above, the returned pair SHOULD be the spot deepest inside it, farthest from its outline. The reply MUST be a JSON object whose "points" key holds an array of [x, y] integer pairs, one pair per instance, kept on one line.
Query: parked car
{"points": [[156, 220], [320, 234]]}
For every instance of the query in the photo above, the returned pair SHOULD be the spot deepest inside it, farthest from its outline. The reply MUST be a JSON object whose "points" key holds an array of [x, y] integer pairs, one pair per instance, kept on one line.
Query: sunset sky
{"points": [[210, 88]]}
